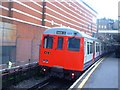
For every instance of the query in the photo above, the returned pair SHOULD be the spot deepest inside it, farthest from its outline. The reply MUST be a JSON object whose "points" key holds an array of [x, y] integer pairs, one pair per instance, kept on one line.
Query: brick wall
{"points": [[31, 19]]}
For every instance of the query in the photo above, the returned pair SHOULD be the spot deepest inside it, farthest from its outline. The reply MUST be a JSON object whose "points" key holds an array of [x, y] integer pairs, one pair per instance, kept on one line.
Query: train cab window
{"points": [[74, 44], [48, 42], [60, 43]]}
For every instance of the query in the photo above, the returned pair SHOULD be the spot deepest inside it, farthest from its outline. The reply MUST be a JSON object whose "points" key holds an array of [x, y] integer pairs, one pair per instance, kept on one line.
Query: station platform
{"points": [[106, 74]]}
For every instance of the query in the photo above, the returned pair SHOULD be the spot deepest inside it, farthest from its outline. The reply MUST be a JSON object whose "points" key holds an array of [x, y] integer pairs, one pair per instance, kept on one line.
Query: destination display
{"points": [[61, 32]]}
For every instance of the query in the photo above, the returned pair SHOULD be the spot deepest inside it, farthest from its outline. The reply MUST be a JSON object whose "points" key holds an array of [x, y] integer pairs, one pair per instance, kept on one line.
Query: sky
{"points": [[105, 8]]}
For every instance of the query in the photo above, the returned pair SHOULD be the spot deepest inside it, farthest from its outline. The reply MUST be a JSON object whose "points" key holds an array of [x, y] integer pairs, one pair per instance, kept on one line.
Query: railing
{"points": [[109, 31], [19, 73]]}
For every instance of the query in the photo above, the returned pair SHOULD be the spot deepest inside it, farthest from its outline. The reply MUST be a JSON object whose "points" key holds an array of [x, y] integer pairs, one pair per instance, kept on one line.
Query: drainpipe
{"points": [[10, 8], [43, 12]]}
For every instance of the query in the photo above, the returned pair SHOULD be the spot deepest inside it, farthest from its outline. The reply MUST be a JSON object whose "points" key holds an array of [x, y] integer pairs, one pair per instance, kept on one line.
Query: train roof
{"points": [[65, 31]]}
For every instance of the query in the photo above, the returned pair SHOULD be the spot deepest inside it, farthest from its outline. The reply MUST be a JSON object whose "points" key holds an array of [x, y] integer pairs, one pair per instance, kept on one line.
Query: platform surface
{"points": [[106, 74]]}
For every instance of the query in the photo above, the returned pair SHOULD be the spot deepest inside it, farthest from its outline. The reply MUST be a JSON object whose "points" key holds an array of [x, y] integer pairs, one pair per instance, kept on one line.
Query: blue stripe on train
{"points": [[87, 64]]}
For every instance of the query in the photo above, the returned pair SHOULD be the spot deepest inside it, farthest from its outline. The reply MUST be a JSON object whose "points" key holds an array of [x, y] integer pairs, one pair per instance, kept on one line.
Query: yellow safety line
{"points": [[90, 73], [84, 74]]}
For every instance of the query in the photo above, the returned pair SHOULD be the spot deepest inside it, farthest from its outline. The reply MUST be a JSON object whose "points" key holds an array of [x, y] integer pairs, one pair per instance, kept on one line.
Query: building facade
{"points": [[31, 17], [107, 24]]}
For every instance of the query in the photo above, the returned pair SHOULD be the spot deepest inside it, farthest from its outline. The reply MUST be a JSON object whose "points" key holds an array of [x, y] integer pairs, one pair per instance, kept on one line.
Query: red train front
{"points": [[62, 52]]}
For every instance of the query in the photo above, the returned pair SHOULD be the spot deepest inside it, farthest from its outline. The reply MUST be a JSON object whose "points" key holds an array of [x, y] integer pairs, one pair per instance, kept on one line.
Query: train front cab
{"points": [[62, 55]]}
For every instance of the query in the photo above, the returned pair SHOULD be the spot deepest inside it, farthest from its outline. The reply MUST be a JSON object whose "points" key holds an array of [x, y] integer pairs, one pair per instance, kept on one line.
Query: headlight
{"points": [[45, 61]]}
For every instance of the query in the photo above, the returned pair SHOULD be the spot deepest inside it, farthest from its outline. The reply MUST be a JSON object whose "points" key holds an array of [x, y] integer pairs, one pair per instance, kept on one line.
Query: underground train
{"points": [[66, 52]]}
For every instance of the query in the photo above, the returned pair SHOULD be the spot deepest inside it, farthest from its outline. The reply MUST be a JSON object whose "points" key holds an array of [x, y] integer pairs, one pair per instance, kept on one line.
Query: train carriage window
{"points": [[74, 44], [91, 47], [87, 47], [96, 47], [48, 42], [101, 47], [60, 43]]}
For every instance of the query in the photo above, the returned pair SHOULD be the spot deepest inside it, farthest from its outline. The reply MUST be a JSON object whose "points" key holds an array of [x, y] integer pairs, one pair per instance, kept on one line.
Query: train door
{"points": [[85, 51], [96, 49], [93, 51], [59, 51]]}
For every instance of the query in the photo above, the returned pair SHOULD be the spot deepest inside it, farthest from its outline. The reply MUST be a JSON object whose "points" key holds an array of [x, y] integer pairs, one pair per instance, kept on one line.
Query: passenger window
{"points": [[96, 47], [74, 44], [87, 47], [48, 42], [91, 47], [60, 43]]}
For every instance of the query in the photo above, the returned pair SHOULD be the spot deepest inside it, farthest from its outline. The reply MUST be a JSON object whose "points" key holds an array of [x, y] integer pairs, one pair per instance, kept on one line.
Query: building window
{"points": [[69, 4], [52, 22], [99, 26], [105, 27], [89, 27], [102, 26]]}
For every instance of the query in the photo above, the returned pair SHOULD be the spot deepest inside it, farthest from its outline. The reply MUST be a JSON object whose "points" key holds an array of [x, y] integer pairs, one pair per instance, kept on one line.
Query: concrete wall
{"points": [[7, 42]]}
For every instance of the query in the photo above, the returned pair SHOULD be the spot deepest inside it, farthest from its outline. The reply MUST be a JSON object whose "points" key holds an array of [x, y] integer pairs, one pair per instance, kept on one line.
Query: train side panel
{"points": [[88, 52]]}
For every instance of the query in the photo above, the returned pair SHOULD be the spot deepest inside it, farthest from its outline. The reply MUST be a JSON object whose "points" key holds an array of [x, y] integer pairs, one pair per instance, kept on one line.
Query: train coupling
{"points": [[57, 71]]}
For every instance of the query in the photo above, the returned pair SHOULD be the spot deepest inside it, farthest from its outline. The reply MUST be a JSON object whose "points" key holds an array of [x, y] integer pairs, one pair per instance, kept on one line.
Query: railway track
{"points": [[40, 84], [45, 82], [56, 83]]}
